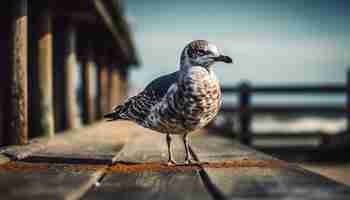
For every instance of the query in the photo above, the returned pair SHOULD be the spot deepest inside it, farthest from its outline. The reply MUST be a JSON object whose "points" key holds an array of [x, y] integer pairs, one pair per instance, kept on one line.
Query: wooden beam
{"points": [[348, 99], [102, 86], [70, 70], [245, 116], [16, 107], [79, 16], [89, 85], [109, 22], [115, 93], [44, 116], [118, 11]]}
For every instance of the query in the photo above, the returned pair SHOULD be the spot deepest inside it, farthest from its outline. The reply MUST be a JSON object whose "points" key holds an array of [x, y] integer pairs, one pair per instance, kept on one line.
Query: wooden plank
{"points": [[149, 147], [43, 116], [150, 185], [274, 183], [16, 107], [97, 144], [41, 181], [4, 159], [211, 148], [256, 175]]}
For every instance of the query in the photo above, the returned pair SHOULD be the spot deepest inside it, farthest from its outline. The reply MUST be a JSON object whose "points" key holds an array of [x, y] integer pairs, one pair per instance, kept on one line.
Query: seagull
{"points": [[180, 102]]}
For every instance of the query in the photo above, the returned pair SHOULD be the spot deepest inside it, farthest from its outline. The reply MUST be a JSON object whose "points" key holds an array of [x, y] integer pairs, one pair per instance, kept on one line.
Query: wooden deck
{"points": [[122, 161]]}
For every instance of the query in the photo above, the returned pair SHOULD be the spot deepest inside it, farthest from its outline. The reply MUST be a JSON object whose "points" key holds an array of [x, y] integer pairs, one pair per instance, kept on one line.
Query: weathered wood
{"points": [[209, 148], [39, 181], [245, 115], [103, 86], [274, 183], [150, 185], [124, 86], [1, 123], [110, 24], [348, 99], [114, 87], [97, 144], [59, 58], [149, 147], [89, 85], [270, 181], [43, 116], [16, 108], [70, 69], [4, 159]]}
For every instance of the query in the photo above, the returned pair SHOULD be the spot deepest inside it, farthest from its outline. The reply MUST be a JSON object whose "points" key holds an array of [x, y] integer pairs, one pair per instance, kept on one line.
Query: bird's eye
{"points": [[201, 52]]}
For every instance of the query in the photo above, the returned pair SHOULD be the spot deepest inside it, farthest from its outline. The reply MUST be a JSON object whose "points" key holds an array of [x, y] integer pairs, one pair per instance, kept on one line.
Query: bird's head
{"points": [[202, 53]]}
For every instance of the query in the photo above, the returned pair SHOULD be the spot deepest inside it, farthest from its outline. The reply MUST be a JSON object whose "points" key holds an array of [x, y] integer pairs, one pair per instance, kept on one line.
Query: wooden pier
{"points": [[245, 109], [123, 161], [63, 65]]}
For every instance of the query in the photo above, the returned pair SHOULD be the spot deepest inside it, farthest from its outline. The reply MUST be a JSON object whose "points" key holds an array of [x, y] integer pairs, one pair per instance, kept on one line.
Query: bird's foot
{"points": [[171, 162], [193, 162]]}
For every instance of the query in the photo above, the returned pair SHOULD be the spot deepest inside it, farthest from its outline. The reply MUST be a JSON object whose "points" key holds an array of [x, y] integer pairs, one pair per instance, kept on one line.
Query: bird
{"points": [[180, 102]]}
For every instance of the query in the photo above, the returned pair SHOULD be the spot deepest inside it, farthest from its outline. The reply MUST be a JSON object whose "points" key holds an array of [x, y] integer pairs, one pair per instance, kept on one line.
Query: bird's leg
{"points": [[171, 161], [187, 148]]}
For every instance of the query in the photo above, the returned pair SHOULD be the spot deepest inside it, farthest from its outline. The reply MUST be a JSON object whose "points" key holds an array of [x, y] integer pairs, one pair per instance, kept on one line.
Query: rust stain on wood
{"points": [[41, 167], [142, 167]]}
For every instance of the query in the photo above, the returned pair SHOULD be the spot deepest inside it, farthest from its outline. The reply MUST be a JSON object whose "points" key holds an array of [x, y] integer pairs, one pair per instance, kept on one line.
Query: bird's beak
{"points": [[223, 58]]}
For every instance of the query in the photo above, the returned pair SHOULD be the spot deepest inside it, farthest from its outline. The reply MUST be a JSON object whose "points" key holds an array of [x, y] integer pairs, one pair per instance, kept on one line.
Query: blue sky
{"points": [[271, 41]]}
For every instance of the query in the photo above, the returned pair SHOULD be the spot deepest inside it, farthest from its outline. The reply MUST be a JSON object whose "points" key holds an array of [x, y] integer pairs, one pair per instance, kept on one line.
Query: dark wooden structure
{"points": [[52, 76], [246, 110], [131, 165]]}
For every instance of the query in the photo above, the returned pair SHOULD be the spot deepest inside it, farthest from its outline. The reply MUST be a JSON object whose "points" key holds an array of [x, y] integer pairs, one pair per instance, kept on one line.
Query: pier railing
{"points": [[245, 109]]}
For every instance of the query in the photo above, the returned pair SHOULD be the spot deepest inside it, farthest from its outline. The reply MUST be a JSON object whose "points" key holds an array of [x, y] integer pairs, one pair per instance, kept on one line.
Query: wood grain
{"points": [[45, 183], [150, 185]]}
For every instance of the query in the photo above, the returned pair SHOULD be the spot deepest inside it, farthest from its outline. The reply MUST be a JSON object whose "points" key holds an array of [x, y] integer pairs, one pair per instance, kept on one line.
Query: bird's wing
{"points": [[161, 85], [138, 107]]}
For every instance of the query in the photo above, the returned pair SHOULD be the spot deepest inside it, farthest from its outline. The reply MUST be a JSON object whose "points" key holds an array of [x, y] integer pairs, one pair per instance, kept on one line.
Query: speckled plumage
{"points": [[180, 102]]}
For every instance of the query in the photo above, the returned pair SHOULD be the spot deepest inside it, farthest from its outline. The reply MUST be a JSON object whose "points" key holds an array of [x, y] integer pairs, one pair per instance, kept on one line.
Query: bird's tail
{"points": [[115, 114]]}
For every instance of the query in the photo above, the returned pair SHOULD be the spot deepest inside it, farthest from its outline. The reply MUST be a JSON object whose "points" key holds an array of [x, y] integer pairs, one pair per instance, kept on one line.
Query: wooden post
{"points": [[114, 88], [59, 51], [124, 84], [44, 116], [102, 86], [70, 70], [245, 116], [348, 99], [17, 105], [89, 85]]}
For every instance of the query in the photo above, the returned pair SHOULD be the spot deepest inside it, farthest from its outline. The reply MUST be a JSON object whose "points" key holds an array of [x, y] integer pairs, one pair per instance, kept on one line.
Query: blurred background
{"points": [[272, 42]]}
